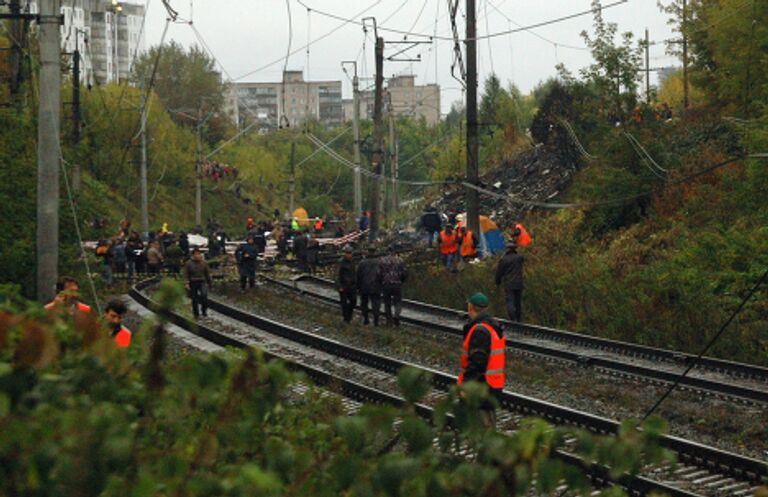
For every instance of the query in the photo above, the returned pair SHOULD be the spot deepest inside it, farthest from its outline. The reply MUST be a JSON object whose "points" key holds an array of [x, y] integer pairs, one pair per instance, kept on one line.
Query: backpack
{"points": [[102, 250]]}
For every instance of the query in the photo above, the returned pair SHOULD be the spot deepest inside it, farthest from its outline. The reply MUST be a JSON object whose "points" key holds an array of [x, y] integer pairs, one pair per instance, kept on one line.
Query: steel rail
{"points": [[700, 455], [635, 485], [738, 370]]}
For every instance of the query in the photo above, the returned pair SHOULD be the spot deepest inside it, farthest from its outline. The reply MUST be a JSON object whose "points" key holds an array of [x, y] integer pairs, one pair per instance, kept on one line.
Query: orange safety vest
{"points": [[448, 243], [467, 245], [123, 337], [524, 239], [494, 371], [318, 225], [79, 306]]}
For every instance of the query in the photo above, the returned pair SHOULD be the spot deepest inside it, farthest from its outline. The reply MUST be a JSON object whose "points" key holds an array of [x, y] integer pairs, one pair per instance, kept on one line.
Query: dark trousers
{"points": [[348, 300], [155, 268], [375, 301], [431, 239], [393, 298], [514, 302], [198, 292], [247, 274], [131, 267]]}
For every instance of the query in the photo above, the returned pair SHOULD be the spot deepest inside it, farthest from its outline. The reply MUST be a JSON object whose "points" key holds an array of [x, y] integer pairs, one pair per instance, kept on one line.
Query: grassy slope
{"points": [[667, 279]]}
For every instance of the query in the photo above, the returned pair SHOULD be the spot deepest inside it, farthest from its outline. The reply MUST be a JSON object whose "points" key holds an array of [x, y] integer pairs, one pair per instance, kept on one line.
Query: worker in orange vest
{"points": [[113, 315], [448, 246], [67, 297], [467, 244], [482, 356], [318, 225]]}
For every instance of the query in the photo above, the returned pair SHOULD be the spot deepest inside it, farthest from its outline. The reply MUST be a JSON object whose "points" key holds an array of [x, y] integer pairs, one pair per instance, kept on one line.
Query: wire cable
{"points": [[283, 118], [711, 342], [614, 201], [489, 35], [642, 151], [78, 233], [317, 151], [319, 38], [534, 33]]}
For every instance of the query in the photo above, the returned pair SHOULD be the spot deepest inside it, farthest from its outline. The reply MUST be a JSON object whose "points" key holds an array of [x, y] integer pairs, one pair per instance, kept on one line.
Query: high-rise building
{"points": [[291, 102], [107, 32]]}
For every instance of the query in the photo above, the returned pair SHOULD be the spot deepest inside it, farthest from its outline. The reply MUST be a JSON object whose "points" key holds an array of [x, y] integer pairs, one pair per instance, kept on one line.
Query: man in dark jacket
{"points": [[198, 278], [346, 281], [300, 250], [134, 251], [509, 274], [259, 239], [432, 224], [312, 254], [246, 255], [392, 276], [184, 244], [483, 353], [369, 286]]}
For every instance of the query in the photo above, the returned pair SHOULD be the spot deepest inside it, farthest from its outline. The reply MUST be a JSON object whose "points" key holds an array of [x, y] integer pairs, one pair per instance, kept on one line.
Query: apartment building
{"points": [[291, 102], [107, 32], [407, 99]]}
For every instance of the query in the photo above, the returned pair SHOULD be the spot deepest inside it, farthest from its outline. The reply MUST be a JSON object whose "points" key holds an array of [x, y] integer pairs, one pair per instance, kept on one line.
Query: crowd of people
{"points": [[365, 285], [130, 254], [375, 279], [215, 170]]}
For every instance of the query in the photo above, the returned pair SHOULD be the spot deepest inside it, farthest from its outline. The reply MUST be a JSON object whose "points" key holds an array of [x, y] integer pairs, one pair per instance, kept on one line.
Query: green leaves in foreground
{"points": [[85, 421]]}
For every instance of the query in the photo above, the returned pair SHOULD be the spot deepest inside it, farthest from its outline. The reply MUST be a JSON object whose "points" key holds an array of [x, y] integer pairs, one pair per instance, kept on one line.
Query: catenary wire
{"points": [[482, 37], [319, 38], [711, 342]]}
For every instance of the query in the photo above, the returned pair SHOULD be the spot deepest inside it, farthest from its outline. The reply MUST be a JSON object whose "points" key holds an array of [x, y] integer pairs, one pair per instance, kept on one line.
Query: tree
{"points": [[615, 71], [188, 85], [728, 47], [671, 92], [492, 97]]}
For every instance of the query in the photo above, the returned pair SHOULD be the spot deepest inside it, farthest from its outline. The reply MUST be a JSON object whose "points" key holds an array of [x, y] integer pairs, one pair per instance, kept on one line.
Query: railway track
{"points": [[724, 379], [705, 471]]}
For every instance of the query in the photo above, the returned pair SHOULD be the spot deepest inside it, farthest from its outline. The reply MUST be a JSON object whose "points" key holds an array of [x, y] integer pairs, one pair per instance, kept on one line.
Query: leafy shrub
{"points": [[80, 417]]}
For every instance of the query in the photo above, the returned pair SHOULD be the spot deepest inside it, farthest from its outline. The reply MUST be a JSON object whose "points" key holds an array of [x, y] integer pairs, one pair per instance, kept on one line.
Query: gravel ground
{"points": [[737, 428]]}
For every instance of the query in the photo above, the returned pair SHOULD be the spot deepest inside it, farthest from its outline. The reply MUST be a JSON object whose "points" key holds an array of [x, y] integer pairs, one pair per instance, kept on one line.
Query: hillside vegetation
{"points": [[665, 245]]}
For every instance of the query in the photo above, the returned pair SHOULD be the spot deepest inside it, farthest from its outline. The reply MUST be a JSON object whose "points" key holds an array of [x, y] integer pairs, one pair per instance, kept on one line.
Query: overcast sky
{"points": [[247, 35]]}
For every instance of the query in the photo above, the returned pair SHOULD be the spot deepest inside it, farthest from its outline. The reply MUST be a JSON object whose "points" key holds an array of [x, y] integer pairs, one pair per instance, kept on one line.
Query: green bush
{"points": [[80, 417]]}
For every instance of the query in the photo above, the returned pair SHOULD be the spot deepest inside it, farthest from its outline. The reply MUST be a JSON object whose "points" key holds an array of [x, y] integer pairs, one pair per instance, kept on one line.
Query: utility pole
{"points": [[48, 151], [76, 114], [358, 184], [143, 171], [683, 26], [16, 32], [392, 158], [647, 68], [199, 173], [473, 203], [378, 140], [292, 180]]}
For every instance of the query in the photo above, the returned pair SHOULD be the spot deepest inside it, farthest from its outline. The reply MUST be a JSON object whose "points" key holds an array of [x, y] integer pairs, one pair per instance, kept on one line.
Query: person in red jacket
{"points": [[67, 297], [448, 243], [113, 315]]}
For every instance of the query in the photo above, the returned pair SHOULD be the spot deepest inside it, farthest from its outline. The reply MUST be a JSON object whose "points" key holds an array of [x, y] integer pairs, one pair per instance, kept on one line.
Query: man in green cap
{"points": [[482, 357]]}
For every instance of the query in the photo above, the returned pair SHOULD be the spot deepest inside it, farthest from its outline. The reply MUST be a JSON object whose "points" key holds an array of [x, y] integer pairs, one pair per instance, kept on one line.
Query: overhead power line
{"points": [[319, 38], [482, 37]]}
